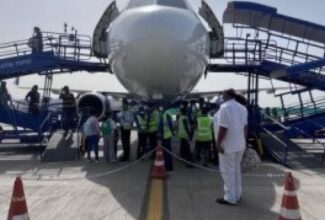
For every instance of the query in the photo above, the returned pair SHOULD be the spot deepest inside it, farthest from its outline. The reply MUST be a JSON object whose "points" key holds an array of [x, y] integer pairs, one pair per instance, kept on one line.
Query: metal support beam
{"points": [[305, 67]]}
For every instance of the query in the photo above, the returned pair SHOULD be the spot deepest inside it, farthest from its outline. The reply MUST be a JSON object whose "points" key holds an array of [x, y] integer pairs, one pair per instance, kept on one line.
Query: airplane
{"points": [[158, 49]]}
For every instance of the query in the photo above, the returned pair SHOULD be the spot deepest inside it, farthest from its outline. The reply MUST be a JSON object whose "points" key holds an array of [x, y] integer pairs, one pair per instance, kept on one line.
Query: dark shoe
{"points": [[224, 202], [125, 159], [189, 166]]}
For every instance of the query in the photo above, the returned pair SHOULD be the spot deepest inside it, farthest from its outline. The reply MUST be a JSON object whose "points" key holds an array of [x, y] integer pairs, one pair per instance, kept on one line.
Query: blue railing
{"points": [[67, 46]]}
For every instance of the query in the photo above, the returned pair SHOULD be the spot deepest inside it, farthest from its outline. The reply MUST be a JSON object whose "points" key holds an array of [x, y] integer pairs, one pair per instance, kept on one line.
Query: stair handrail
{"points": [[283, 144], [79, 46], [14, 114], [44, 121], [315, 139], [276, 121]]}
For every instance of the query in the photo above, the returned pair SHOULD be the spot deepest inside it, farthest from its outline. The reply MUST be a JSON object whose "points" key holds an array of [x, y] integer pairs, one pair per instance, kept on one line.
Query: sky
{"points": [[18, 17]]}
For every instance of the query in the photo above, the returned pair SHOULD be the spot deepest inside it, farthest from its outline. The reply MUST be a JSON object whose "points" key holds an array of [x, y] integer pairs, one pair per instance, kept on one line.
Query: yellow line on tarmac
{"points": [[155, 204]]}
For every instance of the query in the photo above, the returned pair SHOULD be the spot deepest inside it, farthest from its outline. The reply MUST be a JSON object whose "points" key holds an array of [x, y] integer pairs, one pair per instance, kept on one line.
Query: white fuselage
{"points": [[158, 52]]}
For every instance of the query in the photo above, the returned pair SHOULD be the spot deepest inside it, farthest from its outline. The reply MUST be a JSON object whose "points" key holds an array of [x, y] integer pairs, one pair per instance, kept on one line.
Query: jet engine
{"points": [[92, 100]]}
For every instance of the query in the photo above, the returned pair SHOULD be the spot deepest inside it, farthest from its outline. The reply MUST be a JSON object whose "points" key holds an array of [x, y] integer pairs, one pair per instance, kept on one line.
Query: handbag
{"points": [[250, 160]]}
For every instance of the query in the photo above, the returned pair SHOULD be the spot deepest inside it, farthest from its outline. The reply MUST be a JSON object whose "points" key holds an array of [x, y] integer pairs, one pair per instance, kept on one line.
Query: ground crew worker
{"points": [[68, 109], [204, 134], [201, 104], [141, 122], [167, 130], [33, 98], [153, 121], [184, 134], [126, 122], [197, 149], [193, 110]]}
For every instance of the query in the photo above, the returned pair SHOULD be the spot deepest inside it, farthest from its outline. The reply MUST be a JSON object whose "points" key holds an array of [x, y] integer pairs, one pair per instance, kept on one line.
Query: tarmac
{"points": [[82, 190]]}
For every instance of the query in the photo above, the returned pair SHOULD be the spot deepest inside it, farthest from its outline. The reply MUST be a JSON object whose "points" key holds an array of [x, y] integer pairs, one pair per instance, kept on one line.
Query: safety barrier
{"points": [[133, 163]]}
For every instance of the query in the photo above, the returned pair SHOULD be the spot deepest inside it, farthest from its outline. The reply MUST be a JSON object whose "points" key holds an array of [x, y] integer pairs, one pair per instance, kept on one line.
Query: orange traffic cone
{"points": [[159, 171], [18, 206], [290, 207]]}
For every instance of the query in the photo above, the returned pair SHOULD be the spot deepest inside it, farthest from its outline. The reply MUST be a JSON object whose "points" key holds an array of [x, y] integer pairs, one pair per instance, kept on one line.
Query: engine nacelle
{"points": [[95, 101]]}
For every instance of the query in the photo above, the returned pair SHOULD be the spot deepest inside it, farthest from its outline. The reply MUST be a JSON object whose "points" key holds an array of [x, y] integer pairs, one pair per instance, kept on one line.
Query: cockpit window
{"points": [[171, 3]]}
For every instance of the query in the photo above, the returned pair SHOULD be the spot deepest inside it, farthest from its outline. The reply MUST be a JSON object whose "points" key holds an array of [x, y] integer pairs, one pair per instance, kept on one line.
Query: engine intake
{"points": [[92, 100]]}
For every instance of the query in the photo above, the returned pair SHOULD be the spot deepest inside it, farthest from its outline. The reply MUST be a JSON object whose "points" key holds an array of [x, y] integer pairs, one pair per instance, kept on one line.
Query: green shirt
{"points": [[106, 128]]}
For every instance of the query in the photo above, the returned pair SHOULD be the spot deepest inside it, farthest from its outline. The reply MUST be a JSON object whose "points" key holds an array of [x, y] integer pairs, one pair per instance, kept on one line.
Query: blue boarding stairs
{"points": [[61, 53], [269, 45]]}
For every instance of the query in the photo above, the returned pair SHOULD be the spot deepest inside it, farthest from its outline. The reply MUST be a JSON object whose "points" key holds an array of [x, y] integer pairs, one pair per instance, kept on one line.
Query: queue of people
{"points": [[194, 126], [221, 137]]}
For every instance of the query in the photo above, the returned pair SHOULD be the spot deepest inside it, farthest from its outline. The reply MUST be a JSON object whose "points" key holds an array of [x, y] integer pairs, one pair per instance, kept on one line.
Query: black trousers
{"points": [[68, 118], [167, 143], [197, 151], [205, 147], [153, 142], [125, 136], [185, 150], [142, 144]]}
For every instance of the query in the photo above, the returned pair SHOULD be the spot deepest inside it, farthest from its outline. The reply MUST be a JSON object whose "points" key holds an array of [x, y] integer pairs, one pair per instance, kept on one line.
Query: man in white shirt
{"points": [[230, 128]]}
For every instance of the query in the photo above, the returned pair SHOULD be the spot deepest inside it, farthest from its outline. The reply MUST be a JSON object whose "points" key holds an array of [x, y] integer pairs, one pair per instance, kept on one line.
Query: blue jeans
{"points": [[92, 143]]}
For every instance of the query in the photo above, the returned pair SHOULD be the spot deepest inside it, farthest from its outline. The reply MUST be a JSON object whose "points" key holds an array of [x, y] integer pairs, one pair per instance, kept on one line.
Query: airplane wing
{"points": [[210, 94]]}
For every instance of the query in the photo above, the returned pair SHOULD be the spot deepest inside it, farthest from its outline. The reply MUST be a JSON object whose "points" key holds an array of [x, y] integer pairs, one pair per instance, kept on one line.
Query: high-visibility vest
{"points": [[204, 132], [181, 129], [197, 115], [153, 121], [142, 120], [167, 132]]}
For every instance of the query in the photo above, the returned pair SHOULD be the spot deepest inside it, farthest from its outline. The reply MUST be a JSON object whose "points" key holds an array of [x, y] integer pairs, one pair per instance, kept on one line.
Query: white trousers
{"points": [[230, 167]]}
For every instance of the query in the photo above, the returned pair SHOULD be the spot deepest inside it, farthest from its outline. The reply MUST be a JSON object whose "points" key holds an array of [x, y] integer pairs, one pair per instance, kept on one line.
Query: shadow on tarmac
{"points": [[191, 193], [115, 196]]}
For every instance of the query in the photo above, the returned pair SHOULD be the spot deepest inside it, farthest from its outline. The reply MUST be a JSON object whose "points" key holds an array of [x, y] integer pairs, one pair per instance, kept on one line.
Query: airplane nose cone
{"points": [[158, 51]]}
